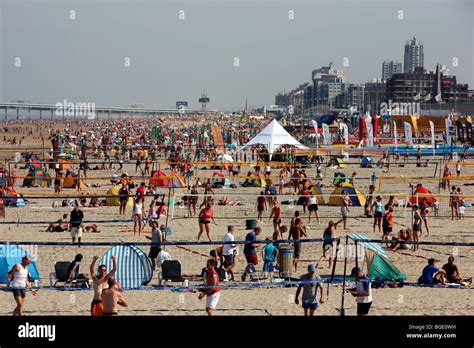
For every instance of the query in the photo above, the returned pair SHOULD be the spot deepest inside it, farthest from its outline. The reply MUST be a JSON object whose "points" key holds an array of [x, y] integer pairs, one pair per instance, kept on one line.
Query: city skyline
{"points": [[82, 59]]}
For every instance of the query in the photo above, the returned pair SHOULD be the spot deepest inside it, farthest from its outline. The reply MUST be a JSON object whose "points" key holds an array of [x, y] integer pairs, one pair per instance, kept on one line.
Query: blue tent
{"points": [[367, 162], [10, 255], [133, 266]]}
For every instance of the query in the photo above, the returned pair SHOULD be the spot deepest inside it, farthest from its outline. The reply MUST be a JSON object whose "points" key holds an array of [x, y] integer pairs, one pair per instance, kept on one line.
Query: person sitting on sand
{"points": [[61, 225], [452, 271], [432, 274], [94, 202], [399, 242]]}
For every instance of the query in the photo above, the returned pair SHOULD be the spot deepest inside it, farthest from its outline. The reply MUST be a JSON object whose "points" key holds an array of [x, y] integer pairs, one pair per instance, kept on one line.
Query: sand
{"points": [[262, 301]]}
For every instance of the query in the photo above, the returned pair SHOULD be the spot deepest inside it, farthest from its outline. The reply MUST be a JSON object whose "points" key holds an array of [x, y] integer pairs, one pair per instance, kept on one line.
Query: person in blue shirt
{"points": [[430, 273], [269, 255]]}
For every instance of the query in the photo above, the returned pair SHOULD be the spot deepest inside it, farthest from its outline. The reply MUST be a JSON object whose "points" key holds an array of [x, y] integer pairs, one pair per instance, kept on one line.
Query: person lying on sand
{"points": [[60, 226], [92, 229]]}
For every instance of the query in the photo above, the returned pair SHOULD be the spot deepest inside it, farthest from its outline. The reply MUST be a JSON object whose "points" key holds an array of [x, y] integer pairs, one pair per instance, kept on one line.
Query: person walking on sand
{"points": [[328, 244], [156, 240], [99, 281], [19, 283], [111, 297], [212, 291], [204, 218], [311, 282], [229, 251]]}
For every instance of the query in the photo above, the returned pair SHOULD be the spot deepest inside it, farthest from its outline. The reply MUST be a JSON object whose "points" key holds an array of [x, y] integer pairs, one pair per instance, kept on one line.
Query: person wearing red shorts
{"points": [[250, 249]]}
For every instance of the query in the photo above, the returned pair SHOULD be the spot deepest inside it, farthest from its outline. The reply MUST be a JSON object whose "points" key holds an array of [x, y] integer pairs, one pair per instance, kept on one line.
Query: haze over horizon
{"points": [[171, 59]]}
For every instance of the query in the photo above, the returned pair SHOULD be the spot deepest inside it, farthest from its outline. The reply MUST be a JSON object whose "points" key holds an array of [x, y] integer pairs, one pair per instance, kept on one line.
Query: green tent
{"points": [[336, 161], [379, 267]]}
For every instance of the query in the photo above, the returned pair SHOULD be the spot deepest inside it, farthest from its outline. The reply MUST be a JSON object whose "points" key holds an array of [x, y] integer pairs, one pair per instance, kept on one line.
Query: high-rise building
{"points": [[424, 86], [414, 56], [389, 68], [374, 96]]}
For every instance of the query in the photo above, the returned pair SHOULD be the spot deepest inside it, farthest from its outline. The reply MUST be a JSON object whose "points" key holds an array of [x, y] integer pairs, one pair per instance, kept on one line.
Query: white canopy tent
{"points": [[273, 136]]}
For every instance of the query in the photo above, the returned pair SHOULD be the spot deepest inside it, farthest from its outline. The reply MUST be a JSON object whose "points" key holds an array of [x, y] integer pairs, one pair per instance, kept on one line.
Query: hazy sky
{"points": [[82, 59]]}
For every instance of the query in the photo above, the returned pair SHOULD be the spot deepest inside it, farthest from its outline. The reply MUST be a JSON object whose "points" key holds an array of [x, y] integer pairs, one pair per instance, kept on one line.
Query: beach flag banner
{"points": [[448, 135], [408, 135], [326, 134], [395, 135], [432, 134], [438, 97], [345, 129], [370, 134], [315, 125]]}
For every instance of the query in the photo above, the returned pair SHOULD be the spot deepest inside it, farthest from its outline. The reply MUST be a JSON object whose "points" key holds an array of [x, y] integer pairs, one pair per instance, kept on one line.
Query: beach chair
{"points": [[60, 275], [171, 272]]}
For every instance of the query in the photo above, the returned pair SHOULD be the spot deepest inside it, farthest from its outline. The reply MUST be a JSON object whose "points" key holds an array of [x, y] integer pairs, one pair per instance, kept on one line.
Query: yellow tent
{"points": [[358, 200], [317, 193], [70, 181], [114, 201]]}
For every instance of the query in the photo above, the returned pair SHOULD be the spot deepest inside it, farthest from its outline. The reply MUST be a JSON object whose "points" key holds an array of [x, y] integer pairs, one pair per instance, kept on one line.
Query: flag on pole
{"points": [[438, 97], [427, 97], [370, 134], [408, 134], [315, 125], [395, 135], [432, 134], [448, 136], [345, 129], [326, 134], [417, 97]]}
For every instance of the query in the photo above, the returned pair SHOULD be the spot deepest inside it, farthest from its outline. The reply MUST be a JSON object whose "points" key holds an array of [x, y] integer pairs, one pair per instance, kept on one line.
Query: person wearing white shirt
{"points": [[228, 251]]}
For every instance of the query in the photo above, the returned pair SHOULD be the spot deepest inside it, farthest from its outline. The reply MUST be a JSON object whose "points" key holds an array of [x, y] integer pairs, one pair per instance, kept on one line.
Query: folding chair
{"points": [[171, 272], [60, 275]]}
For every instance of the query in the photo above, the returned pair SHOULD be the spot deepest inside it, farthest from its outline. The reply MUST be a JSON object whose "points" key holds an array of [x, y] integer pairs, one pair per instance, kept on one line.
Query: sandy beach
{"points": [[266, 300]]}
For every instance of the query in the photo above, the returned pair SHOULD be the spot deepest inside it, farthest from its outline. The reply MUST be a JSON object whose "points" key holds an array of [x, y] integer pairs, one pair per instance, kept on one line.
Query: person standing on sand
{"points": [[204, 219], [416, 227], [111, 297], [298, 233], [312, 282], [137, 216], [362, 292], [124, 194], [99, 280], [58, 182], [344, 202], [212, 291], [19, 277], [276, 215], [75, 223]]}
